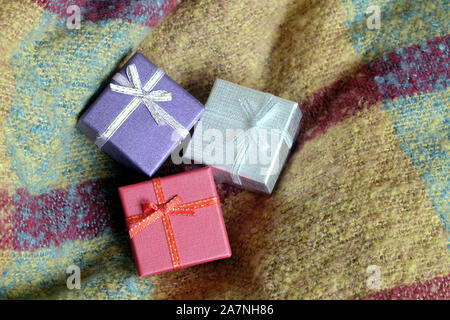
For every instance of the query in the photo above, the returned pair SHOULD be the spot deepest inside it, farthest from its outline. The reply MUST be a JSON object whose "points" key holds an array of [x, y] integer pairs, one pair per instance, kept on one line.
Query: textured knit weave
{"points": [[365, 185]]}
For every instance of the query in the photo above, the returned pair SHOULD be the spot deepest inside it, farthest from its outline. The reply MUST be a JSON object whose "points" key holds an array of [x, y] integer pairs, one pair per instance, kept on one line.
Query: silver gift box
{"points": [[245, 136]]}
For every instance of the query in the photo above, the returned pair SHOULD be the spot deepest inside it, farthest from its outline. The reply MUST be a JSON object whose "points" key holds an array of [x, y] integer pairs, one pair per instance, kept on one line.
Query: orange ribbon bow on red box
{"points": [[163, 210]]}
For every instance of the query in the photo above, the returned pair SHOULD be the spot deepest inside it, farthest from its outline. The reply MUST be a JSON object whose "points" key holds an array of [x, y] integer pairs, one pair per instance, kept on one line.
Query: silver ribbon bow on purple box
{"points": [[142, 94]]}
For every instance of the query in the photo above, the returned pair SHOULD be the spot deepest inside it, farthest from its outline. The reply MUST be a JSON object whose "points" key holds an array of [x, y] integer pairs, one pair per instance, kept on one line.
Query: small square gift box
{"points": [[175, 222], [141, 116], [245, 135]]}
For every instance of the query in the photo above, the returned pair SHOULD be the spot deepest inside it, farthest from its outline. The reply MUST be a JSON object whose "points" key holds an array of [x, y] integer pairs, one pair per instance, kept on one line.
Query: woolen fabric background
{"points": [[366, 182]]}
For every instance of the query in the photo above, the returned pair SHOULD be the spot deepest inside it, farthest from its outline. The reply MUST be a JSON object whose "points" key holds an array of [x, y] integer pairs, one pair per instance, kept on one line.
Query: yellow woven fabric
{"points": [[348, 199], [365, 187]]}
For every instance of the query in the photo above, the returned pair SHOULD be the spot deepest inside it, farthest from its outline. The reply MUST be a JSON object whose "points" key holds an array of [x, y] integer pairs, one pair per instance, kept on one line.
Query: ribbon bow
{"points": [[163, 210], [142, 94], [254, 123]]}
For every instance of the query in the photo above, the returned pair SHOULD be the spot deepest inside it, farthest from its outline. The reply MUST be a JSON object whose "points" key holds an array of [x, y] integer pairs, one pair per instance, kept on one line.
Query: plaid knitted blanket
{"points": [[361, 210]]}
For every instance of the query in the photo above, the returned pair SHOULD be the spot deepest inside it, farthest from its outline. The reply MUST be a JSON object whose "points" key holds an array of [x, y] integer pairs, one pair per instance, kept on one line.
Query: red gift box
{"points": [[175, 222]]}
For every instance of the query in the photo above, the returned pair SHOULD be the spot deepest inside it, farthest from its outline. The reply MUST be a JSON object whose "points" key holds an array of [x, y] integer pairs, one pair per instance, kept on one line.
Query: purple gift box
{"points": [[141, 116]]}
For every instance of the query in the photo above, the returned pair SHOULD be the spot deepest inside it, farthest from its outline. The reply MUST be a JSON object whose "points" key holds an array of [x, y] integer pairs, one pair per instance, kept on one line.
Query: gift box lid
{"points": [[200, 238], [225, 111], [139, 142]]}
